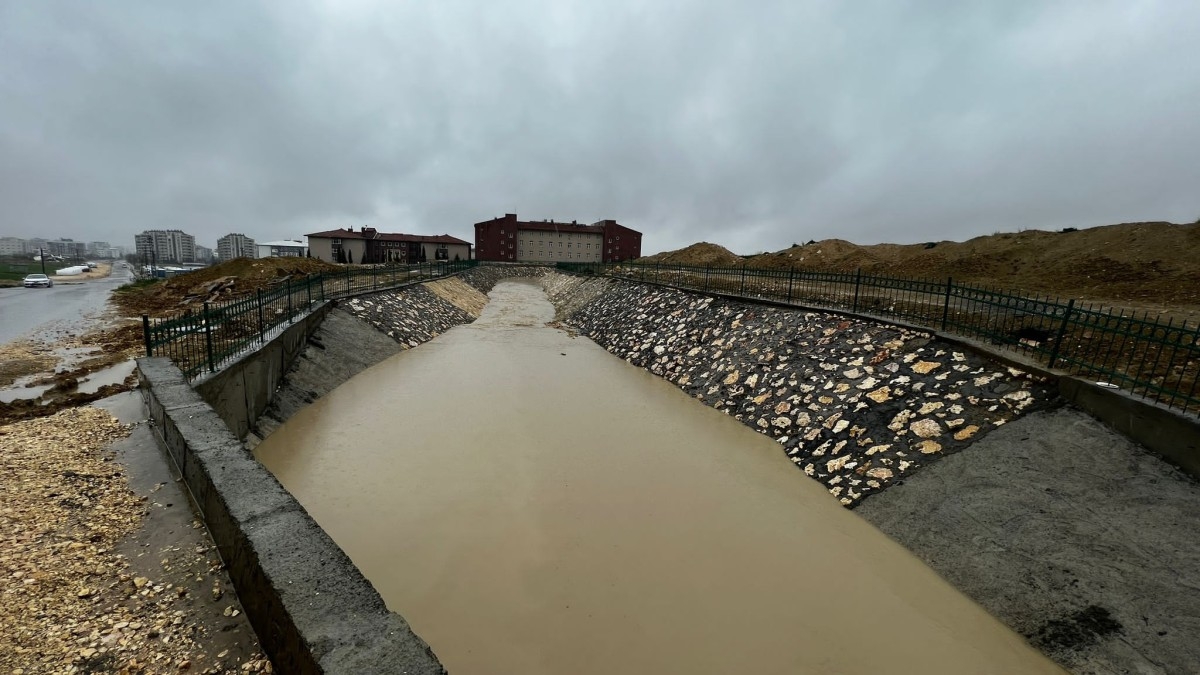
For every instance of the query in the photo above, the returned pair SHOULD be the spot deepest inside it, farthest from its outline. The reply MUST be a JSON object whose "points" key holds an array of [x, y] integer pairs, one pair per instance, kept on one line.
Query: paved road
{"points": [[31, 311]]}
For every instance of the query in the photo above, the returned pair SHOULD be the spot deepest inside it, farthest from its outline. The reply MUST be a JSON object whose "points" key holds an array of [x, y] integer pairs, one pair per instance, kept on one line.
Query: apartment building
{"points": [[164, 246], [235, 245], [507, 239]]}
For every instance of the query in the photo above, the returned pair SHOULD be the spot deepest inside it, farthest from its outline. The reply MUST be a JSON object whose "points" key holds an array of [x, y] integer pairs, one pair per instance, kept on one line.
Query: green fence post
{"points": [[146, 335], [791, 282], [1062, 330], [288, 285], [743, 289], [946, 307], [857, 284], [393, 275], [262, 326], [212, 366], [308, 289], [707, 269]]}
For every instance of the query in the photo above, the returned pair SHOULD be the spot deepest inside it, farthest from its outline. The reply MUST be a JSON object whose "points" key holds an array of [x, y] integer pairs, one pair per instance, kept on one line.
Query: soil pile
{"points": [[702, 254], [210, 284], [1153, 264]]}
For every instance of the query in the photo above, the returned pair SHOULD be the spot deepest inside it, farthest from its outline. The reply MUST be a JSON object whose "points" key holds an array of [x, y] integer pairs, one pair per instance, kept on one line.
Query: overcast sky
{"points": [[750, 124]]}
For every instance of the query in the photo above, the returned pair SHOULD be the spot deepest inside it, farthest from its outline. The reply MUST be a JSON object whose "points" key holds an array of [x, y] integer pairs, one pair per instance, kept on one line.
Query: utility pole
{"points": [[42, 257]]}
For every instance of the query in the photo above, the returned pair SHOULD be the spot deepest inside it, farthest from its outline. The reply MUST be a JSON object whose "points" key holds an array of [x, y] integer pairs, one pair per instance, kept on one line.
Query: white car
{"points": [[35, 280]]}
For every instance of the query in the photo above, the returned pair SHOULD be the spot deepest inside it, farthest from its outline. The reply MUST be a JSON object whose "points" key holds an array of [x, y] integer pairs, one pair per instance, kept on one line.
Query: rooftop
{"points": [[372, 233]]}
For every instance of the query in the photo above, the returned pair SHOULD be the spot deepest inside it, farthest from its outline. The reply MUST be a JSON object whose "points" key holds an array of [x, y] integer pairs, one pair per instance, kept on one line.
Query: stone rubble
{"points": [[71, 602], [855, 404], [411, 316]]}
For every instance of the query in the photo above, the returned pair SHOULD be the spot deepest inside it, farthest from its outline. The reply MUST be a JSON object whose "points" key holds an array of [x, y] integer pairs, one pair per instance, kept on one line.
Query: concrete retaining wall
{"points": [[312, 609], [240, 392]]}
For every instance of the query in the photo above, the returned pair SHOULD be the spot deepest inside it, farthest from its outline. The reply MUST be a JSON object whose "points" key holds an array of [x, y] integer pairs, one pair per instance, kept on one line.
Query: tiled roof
{"points": [[388, 236], [558, 227]]}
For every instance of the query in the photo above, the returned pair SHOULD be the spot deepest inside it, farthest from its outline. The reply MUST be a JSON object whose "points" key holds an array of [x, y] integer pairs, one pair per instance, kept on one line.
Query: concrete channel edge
{"points": [[312, 609]]}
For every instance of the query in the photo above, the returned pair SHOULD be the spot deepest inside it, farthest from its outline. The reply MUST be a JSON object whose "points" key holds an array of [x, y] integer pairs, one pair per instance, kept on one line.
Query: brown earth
{"points": [[1153, 265], [69, 570], [102, 270], [112, 345], [219, 282]]}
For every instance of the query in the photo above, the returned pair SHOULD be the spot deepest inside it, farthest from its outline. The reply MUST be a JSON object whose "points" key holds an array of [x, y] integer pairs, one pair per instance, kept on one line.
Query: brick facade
{"points": [[507, 239]]}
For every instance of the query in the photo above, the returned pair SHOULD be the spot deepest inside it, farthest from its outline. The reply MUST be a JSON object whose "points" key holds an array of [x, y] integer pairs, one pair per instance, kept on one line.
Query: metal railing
{"points": [[204, 339], [1158, 360]]}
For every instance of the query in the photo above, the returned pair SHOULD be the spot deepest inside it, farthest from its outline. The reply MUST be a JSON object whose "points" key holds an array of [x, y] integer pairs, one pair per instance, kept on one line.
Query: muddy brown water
{"points": [[532, 504]]}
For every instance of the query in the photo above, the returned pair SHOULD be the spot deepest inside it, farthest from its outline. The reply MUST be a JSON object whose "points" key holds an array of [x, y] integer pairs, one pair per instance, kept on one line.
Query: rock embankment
{"points": [[855, 404], [484, 277], [363, 331], [411, 316]]}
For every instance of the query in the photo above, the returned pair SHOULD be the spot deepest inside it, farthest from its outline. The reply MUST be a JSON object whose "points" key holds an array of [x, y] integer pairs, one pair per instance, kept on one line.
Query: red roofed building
{"points": [[370, 246], [510, 240]]}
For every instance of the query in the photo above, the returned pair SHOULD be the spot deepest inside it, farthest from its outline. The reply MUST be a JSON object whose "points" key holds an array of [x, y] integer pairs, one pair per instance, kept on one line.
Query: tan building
{"points": [[370, 246], [507, 239]]}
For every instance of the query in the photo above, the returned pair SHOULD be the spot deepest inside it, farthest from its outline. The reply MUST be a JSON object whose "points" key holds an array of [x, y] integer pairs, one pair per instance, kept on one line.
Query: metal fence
{"points": [[204, 339], [1144, 355]]}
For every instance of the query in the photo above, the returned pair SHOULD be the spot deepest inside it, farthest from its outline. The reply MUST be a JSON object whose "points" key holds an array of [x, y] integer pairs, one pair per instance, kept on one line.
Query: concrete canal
{"points": [[533, 505]]}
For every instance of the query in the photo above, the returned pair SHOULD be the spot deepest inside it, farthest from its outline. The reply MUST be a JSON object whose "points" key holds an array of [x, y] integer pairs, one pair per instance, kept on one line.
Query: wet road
{"points": [[28, 312], [532, 504]]}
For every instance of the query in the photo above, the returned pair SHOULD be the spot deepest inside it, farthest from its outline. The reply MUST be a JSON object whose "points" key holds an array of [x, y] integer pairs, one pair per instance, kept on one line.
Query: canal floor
{"points": [[532, 504]]}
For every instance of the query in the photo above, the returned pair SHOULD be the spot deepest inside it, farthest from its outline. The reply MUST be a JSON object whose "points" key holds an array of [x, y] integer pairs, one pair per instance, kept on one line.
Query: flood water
{"points": [[532, 504]]}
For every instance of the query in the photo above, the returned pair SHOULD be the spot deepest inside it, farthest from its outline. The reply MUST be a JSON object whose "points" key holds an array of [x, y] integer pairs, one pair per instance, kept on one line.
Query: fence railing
{"points": [[1158, 360], [203, 339]]}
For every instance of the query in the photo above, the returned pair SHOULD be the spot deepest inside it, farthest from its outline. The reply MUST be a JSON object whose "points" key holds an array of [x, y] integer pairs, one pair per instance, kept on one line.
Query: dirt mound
{"points": [[1136, 264], [210, 284], [701, 254]]}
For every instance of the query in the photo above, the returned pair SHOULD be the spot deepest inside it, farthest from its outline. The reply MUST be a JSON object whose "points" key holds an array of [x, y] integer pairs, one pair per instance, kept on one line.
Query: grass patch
{"points": [[16, 271], [138, 285]]}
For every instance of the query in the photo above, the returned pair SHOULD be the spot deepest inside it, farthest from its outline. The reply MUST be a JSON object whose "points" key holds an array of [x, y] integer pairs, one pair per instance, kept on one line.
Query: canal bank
{"points": [[549, 509], [1038, 526]]}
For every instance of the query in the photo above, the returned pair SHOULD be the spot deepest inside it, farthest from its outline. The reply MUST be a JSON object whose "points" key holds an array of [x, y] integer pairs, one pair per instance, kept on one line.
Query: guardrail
{"points": [[1145, 356], [199, 341]]}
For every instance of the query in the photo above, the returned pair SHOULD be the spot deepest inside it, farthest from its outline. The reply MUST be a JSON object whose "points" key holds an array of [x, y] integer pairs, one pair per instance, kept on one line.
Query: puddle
{"points": [[531, 504], [19, 392], [114, 374], [70, 358]]}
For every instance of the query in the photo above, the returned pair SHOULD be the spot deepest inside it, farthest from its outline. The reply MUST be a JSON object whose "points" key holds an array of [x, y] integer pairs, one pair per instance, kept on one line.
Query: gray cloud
{"points": [[750, 124]]}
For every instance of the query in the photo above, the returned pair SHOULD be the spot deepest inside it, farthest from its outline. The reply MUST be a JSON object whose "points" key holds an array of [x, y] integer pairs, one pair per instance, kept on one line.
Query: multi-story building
{"points": [[204, 254], [369, 246], [166, 246], [234, 245], [12, 246], [99, 249], [507, 239], [67, 248], [284, 248]]}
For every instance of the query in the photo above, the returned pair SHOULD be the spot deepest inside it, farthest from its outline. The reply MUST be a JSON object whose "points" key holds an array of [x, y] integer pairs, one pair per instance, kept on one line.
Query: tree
{"points": [[455, 257], [307, 253], [349, 257]]}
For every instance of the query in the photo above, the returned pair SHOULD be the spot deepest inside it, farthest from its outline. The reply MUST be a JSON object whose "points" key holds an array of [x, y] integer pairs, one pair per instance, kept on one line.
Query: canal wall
{"points": [[312, 610], [361, 332], [857, 405]]}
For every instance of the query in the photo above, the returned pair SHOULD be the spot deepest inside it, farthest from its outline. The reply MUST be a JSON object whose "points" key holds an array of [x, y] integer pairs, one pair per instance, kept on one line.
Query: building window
{"points": [[510, 235]]}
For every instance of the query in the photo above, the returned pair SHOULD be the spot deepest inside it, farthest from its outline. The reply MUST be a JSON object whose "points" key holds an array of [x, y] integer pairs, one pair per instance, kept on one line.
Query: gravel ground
{"points": [[75, 599]]}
